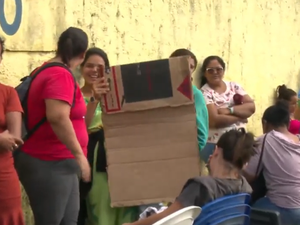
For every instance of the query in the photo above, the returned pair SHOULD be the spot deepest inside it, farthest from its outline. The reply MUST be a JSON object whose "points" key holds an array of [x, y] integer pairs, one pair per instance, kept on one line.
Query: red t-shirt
{"points": [[54, 83]]}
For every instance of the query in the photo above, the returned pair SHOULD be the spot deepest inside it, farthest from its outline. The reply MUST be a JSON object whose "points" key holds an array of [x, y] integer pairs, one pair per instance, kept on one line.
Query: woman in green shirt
{"points": [[200, 106], [99, 211]]}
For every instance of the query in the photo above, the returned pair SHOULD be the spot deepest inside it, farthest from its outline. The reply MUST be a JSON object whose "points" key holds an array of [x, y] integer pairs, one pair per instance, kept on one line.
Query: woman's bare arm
{"points": [[14, 123], [58, 115], [156, 217], [250, 178], [217, 120], [243, 111]]}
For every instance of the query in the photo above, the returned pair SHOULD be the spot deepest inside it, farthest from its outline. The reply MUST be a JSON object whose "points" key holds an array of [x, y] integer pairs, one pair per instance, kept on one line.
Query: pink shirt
{"points": [[281, 169], [294, 127]]}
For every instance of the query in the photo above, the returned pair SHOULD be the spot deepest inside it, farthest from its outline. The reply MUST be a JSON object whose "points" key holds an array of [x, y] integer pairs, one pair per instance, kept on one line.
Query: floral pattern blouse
{"points": [[223, 100]]}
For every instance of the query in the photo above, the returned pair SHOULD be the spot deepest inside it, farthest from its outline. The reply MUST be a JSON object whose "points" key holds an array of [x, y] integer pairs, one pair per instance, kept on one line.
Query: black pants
{"points": [[82, 216], [94, 139], [52, 188]]}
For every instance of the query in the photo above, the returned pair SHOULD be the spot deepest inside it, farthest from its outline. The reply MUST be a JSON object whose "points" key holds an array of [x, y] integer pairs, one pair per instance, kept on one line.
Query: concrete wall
{"points": [[259, 40]]}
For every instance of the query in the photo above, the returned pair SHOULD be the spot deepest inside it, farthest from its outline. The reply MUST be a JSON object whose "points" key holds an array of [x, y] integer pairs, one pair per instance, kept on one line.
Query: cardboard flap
{"points": [[148, 85]]}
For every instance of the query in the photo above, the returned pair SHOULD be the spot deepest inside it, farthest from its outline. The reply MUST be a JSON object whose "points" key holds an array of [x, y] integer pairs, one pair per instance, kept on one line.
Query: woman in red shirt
{"points": [[54, 156], [290, 96], [10, 133]]}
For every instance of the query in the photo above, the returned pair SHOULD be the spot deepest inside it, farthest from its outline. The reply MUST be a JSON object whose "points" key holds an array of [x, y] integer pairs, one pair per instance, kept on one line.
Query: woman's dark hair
{"points": [[277, 115], [204, 66], [284, 93], [96, 51], [2, 45], [184, 52], [238, 147], [72, 43]]}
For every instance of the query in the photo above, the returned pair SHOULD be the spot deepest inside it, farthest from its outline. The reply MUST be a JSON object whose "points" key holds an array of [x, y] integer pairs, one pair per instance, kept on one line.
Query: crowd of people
{"points": [[62, 165]]}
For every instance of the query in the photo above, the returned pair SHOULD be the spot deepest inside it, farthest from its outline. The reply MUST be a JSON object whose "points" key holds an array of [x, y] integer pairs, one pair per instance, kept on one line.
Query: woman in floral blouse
{"points": [[228, 104]]}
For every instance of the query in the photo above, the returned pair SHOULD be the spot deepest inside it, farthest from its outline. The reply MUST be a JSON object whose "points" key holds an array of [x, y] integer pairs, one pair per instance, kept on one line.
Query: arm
{"points": [[249, 172], [58, 95], [156, 217], [217, 120], [243, 111], [58, 115], [13, 114], [186, 198], [201, 118], [100, 87]]}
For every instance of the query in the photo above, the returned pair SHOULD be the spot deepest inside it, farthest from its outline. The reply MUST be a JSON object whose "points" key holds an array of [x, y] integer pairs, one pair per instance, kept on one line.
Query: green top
{"points": [[96, 122], [201, 117]]}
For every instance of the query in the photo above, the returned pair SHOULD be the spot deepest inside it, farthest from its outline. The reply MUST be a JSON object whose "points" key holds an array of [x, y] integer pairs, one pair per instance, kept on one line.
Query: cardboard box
{"points": [[150, 129]]}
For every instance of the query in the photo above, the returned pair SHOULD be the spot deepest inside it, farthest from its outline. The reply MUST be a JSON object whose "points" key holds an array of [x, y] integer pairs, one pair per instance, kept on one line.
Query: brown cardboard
{"points": [[168, 78], [151, 145]]}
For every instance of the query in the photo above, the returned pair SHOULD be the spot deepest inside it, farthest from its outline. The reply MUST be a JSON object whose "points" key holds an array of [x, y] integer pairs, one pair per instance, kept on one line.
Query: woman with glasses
{"points": [[228, 104]]}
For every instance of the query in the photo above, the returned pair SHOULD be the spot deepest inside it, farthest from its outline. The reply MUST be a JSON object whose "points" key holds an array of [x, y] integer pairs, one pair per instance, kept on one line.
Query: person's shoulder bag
{"points": [[259, 189]]}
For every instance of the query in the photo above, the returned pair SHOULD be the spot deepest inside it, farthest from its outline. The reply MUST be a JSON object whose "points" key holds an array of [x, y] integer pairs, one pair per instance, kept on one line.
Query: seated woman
{"points": [[280, 163], [290, 96], [228, 104], [233, 151]]}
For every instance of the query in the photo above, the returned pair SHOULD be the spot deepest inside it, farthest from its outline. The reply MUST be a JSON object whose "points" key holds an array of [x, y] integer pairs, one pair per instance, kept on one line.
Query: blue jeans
{"points": [[287, 216], [207, 151]]}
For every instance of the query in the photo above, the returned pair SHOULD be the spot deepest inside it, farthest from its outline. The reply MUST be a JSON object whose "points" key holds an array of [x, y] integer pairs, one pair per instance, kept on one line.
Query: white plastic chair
{"points": [[184, 216]]}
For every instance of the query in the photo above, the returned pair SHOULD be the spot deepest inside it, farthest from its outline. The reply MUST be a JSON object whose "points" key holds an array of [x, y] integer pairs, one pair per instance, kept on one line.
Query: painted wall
{"points": [[259, 40]]}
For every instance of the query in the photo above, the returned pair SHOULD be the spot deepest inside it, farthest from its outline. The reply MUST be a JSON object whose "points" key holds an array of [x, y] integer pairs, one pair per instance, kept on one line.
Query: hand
{"points": [[127, 224], [85, 168], [100, 87], [245, 166], [9, 142], [244, 120], [224, 111]]}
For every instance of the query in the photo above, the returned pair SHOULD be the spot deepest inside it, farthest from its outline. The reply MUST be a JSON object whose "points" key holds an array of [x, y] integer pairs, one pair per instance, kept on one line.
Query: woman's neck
{"points": [[87, 90], [282, 130], [56, 59], [225, 173], [220, 87]]}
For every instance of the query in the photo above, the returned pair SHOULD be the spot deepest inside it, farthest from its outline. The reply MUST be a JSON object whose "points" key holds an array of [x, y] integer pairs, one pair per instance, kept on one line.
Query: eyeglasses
{"points": [[214, 70]]}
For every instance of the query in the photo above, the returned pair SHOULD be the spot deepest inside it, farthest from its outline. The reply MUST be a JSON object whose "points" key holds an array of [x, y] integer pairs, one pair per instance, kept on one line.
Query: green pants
{"points": [[98, 203]]}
